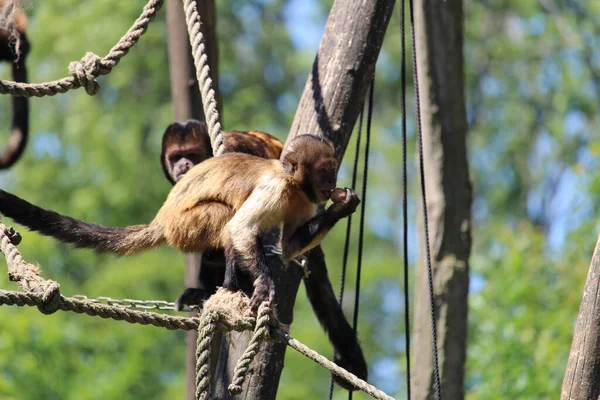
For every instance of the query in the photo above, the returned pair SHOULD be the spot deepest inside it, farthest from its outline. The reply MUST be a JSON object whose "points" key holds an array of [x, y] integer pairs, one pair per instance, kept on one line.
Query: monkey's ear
{"points": [[290, 163]]}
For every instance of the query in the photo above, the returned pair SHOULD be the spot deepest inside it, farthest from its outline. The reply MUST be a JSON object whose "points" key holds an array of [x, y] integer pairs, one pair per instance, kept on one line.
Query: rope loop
{"points": [[85, 72]]}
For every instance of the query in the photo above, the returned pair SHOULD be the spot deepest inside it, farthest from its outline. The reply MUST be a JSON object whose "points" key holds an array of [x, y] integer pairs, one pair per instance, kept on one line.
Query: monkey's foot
{"points": [[191, 297], [264, 290], [12, 235]]}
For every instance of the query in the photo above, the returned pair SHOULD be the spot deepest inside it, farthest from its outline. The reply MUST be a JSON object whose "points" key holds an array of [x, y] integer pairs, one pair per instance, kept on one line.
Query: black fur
{"points": [[66, 229]]}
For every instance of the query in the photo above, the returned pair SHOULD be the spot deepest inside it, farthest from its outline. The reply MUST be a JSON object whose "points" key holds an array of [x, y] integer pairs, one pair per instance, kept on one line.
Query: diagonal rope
{"points": [[85, 72], [436, 368], [209, 103], [219, 313], [405, 202]]}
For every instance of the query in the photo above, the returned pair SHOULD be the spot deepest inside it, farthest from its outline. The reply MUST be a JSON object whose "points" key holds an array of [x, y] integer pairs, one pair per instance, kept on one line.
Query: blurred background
{"points": [[532, 86]]}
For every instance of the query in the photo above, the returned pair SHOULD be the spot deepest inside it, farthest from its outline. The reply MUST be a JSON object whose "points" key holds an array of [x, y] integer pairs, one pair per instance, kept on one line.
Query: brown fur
{"points": [[224, 202]]}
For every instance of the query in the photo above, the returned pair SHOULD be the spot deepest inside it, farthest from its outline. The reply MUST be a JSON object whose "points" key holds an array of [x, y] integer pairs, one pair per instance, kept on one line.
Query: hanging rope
{"points": [[348, 230], [405, 201], [85, 71], [436, 368], [363, 207], [206, 331], [261, 331], [209, 102]]}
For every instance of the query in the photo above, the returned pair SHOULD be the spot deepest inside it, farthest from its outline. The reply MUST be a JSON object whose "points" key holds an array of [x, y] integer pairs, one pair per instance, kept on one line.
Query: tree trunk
{"points": [[439, 42], [332, 99], [582, 377], [187, 104]]}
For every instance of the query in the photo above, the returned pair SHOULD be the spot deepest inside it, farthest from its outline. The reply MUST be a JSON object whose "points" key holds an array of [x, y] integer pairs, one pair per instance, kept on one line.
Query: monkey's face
{"points": [[182, 160], [324, 179]]}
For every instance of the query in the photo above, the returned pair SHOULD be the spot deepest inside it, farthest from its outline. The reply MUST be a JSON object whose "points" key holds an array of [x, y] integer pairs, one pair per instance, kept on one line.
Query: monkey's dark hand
{"points": [[345, 202], [264, 290], [191, 297], [12, 235]]}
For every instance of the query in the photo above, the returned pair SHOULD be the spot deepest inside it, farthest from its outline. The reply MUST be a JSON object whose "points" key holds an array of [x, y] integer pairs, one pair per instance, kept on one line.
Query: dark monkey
{"points": [[14, 48], [188, 144]]}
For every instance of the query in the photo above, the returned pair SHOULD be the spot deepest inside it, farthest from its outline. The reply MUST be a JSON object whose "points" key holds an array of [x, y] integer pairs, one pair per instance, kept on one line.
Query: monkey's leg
{"points": [[212, 271], [248, 270]]}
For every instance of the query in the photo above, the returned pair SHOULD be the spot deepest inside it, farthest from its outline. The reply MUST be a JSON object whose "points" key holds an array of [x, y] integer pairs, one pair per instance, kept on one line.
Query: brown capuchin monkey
{"points": [[14, 48], [225, 202], [187, 144]]}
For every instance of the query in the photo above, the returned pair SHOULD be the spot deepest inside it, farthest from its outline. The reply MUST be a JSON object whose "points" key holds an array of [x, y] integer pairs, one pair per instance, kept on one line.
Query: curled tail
{"points": [[129, 240]]}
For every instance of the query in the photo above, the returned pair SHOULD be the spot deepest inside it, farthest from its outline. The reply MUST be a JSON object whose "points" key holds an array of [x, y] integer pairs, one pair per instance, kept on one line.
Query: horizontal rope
{"points": [[226, 308], [84, 72]]}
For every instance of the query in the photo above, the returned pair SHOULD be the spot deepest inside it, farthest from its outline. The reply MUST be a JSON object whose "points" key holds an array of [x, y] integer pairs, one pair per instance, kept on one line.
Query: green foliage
{"points": [[532, 89]]}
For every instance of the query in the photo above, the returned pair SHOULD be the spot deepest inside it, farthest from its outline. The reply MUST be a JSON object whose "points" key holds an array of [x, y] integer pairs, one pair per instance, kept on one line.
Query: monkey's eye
{"points": [[322, 170]]}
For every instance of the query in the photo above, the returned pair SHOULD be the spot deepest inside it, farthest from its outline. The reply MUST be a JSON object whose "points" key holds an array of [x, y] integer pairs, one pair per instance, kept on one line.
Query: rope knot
{"points": [[85, 72], [50, 295]]}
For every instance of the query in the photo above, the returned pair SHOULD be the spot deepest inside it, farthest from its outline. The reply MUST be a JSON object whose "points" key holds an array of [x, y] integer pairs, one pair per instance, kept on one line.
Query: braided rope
{"points": [[209, 103], [206, 331], [261, 331], [84, 72], [218, 314]]}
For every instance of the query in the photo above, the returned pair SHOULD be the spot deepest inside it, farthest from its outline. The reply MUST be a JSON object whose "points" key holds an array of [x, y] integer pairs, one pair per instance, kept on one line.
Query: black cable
{"points": [[436, 369], [348, 230], [361, 229], [405, 201]]}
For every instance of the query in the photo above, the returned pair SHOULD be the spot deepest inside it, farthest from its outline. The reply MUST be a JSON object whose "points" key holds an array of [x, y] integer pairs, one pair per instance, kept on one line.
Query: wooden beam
{"points": [[330, 104], [582, 377]]}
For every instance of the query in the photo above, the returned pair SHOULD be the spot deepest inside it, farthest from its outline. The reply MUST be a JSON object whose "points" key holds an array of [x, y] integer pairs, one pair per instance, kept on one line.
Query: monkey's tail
{"points": [[129, 240]]}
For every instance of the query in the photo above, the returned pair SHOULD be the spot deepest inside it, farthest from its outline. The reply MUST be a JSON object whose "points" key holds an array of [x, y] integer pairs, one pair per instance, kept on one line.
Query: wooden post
{"points": [[439, 41], [187, 104], [582, 377], [332, 99]]}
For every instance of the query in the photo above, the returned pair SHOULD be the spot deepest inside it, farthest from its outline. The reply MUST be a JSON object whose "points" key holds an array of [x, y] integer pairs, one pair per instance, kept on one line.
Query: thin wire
{"points": [[361, 229], [405, 201], [436, 368], [348, 230]]}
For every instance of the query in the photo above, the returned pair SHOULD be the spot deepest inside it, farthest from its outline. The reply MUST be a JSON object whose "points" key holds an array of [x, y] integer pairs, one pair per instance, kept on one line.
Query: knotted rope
{"points": [[84, 72]]}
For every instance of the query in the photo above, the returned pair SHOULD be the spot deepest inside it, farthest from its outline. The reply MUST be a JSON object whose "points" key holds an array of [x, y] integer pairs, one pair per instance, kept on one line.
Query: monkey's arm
{"points": [[312, 232], [348, 353]]}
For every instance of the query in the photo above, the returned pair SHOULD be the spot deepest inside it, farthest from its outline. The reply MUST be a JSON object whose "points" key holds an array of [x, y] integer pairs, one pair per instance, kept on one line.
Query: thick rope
{"points": [[261, 331], [209, 103], [206, 331], [331, 366], [99, 310], [223, 311], [85, 72]]}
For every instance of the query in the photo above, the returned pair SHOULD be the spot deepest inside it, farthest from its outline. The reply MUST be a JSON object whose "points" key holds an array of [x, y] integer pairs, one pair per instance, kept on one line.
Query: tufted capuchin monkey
{"points": [[225, 202], [14, 48], [189, 141], [187, 144]]}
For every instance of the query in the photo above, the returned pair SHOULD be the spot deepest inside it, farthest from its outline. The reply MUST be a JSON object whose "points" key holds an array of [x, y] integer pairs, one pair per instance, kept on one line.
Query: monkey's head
{"points": [[310, 159], [183, 146]]}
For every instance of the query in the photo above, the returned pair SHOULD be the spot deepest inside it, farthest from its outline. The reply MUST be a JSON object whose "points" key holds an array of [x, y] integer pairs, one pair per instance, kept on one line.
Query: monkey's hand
{"points": [[264, 290], [345, 202], [191, 297], [12, 235]]}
